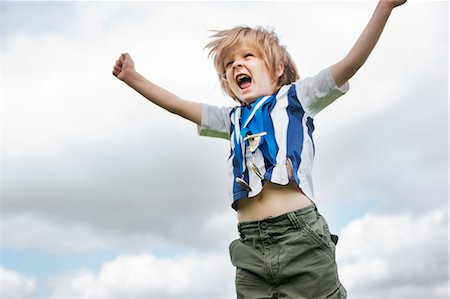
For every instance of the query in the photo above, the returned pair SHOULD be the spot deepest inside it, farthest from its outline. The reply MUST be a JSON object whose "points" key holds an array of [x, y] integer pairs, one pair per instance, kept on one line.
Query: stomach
{"points": [[273, 200]]}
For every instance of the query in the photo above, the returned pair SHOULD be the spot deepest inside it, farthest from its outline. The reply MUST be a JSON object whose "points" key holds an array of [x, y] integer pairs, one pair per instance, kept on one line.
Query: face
{"points": [[247, 74]]}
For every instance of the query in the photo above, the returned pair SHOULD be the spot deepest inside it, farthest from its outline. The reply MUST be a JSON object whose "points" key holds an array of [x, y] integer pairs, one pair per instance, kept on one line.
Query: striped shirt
{"points": [[286, 150]]}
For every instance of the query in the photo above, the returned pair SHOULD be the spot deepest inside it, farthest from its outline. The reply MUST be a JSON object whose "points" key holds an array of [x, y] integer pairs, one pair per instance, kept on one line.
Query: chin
{"points": [[248, 102], [249, 99]]}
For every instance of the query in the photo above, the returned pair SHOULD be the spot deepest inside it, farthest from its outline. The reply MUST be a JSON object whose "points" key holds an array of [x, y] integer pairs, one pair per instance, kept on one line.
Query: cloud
{"points": [[93, 154], [397, 156], [16, 285], [47, 235], [379, 256], [192, 275], [392, 256], [215, 233], [81, 141], [91, 164]]}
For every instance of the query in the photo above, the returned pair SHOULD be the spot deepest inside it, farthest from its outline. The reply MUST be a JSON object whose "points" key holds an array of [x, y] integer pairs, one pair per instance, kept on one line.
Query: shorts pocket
{"points": [[308, 258], [231, 247], [317, 228], [339, 293]]}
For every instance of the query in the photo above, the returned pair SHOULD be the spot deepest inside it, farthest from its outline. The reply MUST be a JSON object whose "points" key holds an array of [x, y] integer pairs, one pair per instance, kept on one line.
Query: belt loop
{"points": [[296, 221], [239, 228]]}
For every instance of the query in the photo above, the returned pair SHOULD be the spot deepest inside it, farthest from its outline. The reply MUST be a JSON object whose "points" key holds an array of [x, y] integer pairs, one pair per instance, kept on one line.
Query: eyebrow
{"points": [[240, 50]]}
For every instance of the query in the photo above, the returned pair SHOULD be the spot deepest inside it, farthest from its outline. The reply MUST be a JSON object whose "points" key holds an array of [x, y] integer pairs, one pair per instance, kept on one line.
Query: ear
{"points": [[280, 70]]}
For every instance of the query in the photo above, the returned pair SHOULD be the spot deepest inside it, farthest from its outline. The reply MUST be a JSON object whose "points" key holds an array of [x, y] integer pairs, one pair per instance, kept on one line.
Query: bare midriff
{"points": [[273, 200]]}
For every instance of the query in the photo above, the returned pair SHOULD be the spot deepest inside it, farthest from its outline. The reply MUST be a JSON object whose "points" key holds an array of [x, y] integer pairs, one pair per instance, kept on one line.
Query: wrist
{"points": [[384, 9], [130, 76], [386, 5]]}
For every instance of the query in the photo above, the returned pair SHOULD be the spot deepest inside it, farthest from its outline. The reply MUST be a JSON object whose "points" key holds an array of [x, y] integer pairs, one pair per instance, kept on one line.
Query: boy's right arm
{"points": [[124, 70]]}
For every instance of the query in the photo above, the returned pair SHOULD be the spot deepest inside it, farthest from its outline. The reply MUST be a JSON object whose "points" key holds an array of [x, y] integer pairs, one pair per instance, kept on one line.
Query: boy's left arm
{"points": [[347, 67]]}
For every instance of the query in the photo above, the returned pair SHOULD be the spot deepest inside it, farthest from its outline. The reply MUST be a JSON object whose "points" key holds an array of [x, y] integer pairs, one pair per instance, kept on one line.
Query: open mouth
{"points": [[243, 81]]}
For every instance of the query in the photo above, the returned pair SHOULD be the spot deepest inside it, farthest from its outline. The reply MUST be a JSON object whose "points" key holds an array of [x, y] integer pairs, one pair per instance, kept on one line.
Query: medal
{"points": [[243, 183], [251, 119], [254, 140], [256, 170], [253, 143]]}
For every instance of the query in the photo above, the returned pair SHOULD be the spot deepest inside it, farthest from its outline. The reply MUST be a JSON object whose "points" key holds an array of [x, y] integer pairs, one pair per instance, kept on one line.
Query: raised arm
{"points": [[347, 67], [124, 70]]}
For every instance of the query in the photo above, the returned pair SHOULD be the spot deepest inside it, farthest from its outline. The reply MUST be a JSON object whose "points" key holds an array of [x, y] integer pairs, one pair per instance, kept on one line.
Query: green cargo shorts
{"points": [[287, 256]]}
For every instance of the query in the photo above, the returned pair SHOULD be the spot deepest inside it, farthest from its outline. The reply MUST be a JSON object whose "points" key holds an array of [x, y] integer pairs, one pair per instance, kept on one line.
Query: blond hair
{"points": [[264, 41]]}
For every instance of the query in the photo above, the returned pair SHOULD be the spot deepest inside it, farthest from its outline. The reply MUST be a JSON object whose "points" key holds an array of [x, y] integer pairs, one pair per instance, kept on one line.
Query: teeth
{"points": [[241, 77]]}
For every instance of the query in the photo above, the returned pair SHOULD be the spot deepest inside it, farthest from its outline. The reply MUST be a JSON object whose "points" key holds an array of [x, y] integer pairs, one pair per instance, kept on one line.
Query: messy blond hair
{"points": [[264, 41]]}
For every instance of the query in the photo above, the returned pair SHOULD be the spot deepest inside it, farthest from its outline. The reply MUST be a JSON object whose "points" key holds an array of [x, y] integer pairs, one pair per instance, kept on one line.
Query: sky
{"points": [[105, 195]]}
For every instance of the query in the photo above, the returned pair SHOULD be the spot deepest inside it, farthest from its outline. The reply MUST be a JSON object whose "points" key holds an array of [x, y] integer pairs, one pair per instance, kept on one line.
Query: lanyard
{"points": [[256, 120]]}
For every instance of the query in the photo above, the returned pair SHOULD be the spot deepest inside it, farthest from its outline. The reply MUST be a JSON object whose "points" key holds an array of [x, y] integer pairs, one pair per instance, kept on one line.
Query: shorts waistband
{"points": [[280, 219]]}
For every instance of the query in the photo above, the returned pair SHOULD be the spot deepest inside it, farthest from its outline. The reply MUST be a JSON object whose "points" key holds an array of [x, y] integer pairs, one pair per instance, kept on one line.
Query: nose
{"points": [[237, 63]]}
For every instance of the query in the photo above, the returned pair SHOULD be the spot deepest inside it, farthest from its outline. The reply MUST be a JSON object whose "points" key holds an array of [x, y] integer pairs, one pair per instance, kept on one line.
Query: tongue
{"points": [[244, 85]]}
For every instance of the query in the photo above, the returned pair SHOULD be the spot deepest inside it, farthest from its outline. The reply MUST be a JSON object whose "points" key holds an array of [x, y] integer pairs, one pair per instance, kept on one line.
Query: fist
{"points": [[124, 65]]}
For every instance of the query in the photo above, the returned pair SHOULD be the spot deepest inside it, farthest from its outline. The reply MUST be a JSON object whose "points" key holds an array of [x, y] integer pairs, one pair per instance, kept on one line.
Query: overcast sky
{"points": [[106, 195]]}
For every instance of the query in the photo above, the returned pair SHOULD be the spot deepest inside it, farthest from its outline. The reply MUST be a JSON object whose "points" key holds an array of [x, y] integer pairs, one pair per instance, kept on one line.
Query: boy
{"points": [[285, 249]]}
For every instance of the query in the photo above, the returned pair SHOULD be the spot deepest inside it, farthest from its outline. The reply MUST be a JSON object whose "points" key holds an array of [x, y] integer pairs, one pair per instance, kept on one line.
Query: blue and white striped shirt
{"points": [[286, 151]]}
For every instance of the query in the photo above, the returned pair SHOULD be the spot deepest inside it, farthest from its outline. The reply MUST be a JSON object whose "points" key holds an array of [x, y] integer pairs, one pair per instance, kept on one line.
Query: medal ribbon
{"points": [[255, 119]]}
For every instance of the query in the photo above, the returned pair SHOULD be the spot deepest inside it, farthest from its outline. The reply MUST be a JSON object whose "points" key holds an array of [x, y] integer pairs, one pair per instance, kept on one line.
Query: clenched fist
{"points": [[124, 65]]}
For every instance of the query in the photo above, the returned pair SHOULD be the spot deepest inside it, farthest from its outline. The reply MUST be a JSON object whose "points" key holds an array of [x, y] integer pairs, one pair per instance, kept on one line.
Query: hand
{"points": [[124, 65], [393, 3]]}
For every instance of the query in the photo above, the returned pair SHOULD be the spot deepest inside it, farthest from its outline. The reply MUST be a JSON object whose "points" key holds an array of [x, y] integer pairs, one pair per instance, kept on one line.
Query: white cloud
{"points": [[71, 97], [395, 256], [92, 165], [379, 256], [192, 275], [397, 157], [15, 285], [30, 231], [55, 236], [79, 136]]}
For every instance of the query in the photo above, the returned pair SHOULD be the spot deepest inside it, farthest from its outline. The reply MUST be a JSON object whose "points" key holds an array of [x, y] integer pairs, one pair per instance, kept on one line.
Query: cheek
{"points": [[263, 74], [233, 88], [265, 80], [229, 82]]}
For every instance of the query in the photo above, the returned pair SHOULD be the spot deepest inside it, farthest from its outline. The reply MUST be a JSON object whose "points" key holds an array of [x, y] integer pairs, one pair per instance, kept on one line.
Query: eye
{"points": [[228, 64], [249, 55]]}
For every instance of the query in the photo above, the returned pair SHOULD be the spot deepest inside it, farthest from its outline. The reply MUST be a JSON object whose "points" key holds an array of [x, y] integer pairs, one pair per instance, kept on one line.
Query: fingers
{"points": [[121, 60], [124, 61], [116, 70], [124, 57]]}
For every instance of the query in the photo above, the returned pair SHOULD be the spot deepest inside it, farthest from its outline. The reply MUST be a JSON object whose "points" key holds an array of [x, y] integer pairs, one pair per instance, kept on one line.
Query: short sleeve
{"points": [[215, 121], [317, 92]]}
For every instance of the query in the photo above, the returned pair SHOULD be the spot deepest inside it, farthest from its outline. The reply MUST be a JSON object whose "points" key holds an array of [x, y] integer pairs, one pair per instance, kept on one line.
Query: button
{"points": [[264, 225]]}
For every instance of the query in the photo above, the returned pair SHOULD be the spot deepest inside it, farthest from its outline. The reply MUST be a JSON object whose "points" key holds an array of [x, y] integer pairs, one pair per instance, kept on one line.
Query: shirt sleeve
{"points": [[317, 92], [215, 121]]}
